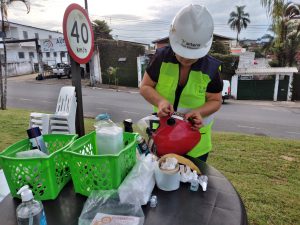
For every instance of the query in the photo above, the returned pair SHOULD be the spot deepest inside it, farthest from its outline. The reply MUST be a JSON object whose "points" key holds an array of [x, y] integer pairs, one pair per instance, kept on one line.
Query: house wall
{"points": [[18, 63], [19, 68], [110, 53], [234, 86]]}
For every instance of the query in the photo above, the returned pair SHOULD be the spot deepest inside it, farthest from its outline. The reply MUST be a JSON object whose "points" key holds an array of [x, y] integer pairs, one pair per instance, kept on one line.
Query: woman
{"points": [[183, 78]]}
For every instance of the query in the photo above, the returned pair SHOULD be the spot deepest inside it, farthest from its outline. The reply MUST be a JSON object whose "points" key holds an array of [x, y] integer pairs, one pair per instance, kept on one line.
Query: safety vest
{"points": [[193, 96]]}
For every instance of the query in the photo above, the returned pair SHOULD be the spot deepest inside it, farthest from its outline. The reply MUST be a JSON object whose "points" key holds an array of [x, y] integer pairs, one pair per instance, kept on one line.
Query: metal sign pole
{"points": [[76, 82], [79, 38]]}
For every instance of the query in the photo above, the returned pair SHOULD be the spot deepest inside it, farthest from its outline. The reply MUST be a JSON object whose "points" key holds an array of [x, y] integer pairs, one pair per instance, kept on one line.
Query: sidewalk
{"points": [[66, 81]]}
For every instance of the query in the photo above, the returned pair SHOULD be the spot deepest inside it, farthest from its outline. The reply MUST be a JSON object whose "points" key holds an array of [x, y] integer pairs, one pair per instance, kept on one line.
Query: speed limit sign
{"points": [[78, 33]]}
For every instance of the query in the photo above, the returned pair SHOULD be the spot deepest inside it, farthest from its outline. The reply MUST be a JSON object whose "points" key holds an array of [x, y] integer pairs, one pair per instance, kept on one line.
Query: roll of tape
{"points": [[166, 180]]}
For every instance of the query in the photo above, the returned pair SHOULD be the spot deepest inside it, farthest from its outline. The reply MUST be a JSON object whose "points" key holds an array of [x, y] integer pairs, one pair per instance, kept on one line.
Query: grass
{"points": [[265, 171]]}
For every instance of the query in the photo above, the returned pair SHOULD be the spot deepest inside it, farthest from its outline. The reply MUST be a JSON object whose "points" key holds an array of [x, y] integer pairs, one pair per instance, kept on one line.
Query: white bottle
{"points": [[109, 136], [30, 211]]}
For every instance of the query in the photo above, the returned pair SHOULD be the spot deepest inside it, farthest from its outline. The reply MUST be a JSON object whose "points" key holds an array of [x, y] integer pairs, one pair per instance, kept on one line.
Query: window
{"points": [[122, 59], [50, 36], [54, 54], [48, 54], [36, 35], [25, 34], [31, 55], [62, 54], [21, 55]]}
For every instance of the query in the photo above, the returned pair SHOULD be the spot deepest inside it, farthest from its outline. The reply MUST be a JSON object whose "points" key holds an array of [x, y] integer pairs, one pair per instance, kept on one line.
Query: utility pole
{"points": [[91, 62], [86, 6], [3, 84]]}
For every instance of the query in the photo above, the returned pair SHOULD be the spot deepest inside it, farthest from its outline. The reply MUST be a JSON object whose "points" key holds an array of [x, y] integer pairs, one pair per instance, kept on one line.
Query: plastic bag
{"points": [[145, 123], [35, 153], [106, 205], [139, 183]]}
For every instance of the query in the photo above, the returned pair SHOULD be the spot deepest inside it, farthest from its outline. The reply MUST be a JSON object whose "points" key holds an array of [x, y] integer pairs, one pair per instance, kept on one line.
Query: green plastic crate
{"points": [[90, 171], [45, 176]]}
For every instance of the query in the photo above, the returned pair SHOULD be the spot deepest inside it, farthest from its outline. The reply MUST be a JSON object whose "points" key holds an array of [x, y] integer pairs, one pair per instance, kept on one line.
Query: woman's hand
{"points": [[196, 119], [164, 108]]}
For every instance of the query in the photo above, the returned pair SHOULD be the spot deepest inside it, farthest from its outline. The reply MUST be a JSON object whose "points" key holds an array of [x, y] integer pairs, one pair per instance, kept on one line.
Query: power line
{"points": [[166, 22]]}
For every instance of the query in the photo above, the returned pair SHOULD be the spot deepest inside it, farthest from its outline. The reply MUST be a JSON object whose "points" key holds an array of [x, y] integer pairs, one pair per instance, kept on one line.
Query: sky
{"points": [[141, 20]]}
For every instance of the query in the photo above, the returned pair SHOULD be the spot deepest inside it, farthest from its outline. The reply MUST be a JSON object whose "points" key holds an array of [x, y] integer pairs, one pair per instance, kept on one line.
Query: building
{"points": [[21, 56], [256, 80]]}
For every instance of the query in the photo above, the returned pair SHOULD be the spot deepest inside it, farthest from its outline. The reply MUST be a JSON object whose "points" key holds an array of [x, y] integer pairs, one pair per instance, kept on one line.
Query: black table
{"points": [[219, 205]]}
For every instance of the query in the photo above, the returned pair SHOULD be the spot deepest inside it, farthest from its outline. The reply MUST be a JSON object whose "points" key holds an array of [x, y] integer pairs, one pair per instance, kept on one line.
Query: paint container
{"points": [[167, 180]]}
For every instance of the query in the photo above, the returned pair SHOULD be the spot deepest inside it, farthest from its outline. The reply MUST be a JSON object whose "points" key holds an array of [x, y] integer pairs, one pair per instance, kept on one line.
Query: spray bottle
{"points": [[30, 211]]}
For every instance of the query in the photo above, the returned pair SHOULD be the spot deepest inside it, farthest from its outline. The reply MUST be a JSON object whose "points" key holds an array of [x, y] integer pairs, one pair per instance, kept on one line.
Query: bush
{"points": [[229, 65]]}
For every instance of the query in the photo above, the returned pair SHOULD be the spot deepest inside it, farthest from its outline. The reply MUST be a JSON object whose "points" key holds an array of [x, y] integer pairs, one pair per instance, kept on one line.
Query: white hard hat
{"points": [[191, 32]]}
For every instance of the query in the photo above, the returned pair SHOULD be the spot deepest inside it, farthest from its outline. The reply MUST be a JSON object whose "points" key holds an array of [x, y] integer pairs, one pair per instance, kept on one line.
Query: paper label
{"points": [[107, 219]]}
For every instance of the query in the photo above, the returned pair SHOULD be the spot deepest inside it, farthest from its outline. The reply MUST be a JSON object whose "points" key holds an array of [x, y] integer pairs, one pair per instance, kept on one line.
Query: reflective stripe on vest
{"points": [[192, 97]]}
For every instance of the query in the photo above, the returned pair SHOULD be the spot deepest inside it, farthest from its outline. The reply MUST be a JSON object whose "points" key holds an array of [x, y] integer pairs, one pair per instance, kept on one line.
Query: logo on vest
{"points": [[189, 45], [201, 89]]}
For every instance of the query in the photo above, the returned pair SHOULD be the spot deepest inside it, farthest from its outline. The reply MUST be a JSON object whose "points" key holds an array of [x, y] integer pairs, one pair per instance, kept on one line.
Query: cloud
{"points": [[38, 5], [141, 20]]}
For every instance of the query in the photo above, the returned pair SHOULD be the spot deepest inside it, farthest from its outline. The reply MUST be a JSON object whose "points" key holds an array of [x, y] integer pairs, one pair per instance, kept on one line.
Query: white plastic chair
{"points": [[63, 120], [40, 120]]}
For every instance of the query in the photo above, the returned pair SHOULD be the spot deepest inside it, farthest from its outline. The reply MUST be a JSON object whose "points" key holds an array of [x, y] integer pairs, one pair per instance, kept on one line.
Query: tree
{"points": [[219, 47], [238, 20], [286, 41], [101, 29], [4, 16]]}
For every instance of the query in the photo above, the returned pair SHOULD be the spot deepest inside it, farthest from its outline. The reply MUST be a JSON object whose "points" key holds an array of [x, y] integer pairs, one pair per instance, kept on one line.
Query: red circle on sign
{"points": [[69, 9]]}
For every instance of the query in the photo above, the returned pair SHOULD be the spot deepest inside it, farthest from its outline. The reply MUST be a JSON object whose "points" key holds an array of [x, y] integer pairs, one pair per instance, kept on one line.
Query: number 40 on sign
{"points": [[78, 33]]}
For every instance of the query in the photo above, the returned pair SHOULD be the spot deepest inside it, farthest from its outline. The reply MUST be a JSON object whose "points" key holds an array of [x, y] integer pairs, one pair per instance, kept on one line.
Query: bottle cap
{"points": [[26, 193], [128, 120], [103, 116]]}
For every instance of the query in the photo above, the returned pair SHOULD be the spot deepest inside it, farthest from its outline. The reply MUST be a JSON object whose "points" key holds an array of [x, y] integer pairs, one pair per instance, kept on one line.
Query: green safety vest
{"points": [[192, 97]]}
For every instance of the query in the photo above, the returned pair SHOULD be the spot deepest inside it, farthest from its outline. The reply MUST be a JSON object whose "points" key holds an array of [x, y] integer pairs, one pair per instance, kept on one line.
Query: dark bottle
{"points": [[128, 125], [36, 139], [142, 146]]}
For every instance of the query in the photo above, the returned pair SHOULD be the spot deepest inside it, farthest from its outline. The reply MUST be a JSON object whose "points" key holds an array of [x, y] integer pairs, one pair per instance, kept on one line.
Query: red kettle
{"points": [[175, 135]]}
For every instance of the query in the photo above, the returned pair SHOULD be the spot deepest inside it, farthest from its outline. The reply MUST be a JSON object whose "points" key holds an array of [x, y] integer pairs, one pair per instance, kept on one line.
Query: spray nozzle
{"points": [[26, 193]]}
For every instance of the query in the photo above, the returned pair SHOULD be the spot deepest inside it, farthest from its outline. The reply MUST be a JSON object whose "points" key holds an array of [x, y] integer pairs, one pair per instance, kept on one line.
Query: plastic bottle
{"points": [[142, 146], [153, 201], [109, 136], [36, 139], [30, 211], [194, 182]]}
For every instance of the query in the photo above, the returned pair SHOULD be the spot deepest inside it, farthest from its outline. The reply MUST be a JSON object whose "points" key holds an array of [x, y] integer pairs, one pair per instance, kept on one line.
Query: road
{"points": [[235, 116]]}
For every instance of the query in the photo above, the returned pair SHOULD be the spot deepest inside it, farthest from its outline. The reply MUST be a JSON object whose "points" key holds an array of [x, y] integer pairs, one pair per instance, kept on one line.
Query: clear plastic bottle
{"points": [[194, 182], [109, 136], [30, 211], [142, 146], [153, 201]]}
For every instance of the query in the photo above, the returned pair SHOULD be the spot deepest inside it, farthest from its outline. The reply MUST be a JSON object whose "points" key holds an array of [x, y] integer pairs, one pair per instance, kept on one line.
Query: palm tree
{"points": [[3, 86], [238, 20], [286, 40]]}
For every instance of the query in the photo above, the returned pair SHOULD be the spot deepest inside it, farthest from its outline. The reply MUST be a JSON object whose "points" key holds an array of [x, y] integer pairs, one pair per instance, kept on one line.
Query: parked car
{"points": [[226, 92], [62, 69]]}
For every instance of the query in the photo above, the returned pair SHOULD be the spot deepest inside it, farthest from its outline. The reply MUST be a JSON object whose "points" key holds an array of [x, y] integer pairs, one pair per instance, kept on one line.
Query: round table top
{"points": [[219, 205]]}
